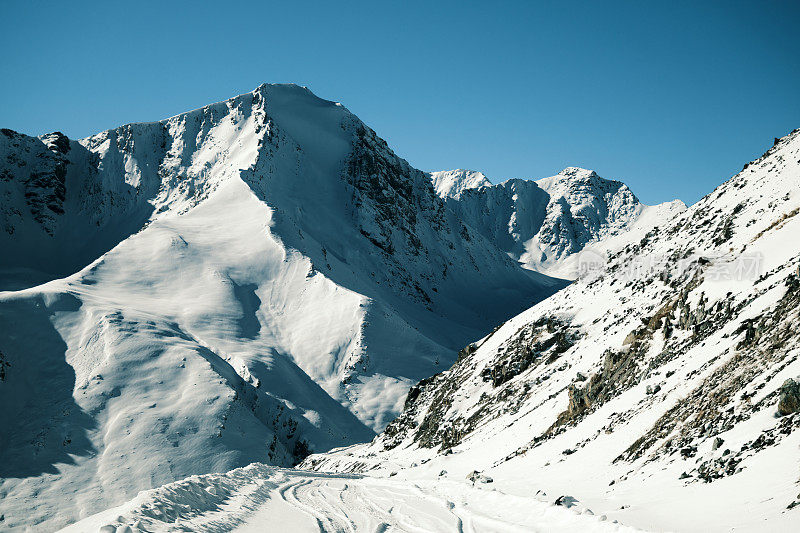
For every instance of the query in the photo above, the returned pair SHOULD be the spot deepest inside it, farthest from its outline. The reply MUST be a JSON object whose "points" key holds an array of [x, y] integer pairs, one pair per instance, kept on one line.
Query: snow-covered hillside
{"points": [[250, 281], [660, 389], [543, 223]]}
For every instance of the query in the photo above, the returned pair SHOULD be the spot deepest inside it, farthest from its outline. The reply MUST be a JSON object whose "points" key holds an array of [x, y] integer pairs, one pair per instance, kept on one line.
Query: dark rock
{"points": [[476, 476], [789, 401], [566, 501]]}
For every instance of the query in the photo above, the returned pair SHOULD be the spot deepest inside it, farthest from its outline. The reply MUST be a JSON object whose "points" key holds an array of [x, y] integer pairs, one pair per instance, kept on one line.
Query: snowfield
{"points": [[260, 498]]}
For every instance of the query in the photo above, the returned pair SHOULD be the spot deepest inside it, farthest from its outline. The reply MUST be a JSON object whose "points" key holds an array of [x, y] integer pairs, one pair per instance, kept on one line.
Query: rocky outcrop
{"points": [[39, 167], [789, 399]]}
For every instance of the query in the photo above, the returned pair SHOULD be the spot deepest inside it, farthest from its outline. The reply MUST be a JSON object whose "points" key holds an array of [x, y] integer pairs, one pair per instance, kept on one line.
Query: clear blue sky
{"points": [[670, 97]]}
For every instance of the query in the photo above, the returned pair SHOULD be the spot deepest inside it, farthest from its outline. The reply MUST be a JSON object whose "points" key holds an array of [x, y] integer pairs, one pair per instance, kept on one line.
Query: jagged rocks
{"points": [[620, 371], [542, 341], [789, 401], [566, 501], [477, 477], [467, 350], [39, 167], [3, 365]]}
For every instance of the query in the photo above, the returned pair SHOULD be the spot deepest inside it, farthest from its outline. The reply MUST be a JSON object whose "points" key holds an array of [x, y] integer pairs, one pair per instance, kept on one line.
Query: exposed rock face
{"points": [[41, 167], [789, 399]]}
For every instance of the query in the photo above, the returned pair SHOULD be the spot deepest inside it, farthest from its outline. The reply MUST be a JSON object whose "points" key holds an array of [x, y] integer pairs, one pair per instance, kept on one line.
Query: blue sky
{"points": [[671, 97]]}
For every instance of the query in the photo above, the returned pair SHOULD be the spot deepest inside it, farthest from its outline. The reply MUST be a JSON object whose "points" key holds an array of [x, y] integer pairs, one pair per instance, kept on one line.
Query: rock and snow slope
{"points": [[655, 390], [243, 282], [543, 223]]}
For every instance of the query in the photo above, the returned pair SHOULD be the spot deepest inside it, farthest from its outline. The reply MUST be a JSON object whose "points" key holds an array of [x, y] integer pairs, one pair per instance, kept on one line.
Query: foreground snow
{"points": [[262, 498]]}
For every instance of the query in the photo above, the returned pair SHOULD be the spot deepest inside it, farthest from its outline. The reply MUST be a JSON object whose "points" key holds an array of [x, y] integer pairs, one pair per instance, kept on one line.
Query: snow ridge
{"points": [[452, 183], [541, 223]]}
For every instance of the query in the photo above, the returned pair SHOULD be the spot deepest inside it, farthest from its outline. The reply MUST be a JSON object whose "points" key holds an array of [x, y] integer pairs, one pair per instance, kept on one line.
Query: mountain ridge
{"points": [[541, 223]]}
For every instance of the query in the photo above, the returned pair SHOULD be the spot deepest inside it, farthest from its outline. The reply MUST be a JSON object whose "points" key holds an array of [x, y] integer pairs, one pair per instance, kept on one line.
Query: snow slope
{"points": [[543, 223], [250, 281], [262, 498], [654, 389]]}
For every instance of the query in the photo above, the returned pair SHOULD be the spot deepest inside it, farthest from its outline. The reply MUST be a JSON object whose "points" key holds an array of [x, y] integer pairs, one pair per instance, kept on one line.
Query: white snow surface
{"points": [[262, 498], [239, 283], [544, 223]]}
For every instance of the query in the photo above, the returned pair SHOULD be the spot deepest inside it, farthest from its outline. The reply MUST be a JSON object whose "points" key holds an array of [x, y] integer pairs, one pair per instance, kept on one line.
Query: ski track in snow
{"points": [[261, 498]]}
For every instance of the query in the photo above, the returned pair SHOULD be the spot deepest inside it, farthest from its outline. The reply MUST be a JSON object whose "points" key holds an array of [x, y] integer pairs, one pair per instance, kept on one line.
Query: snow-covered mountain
{"points": [[660, 389], [543, 223], [250, 281], [452, 183]]}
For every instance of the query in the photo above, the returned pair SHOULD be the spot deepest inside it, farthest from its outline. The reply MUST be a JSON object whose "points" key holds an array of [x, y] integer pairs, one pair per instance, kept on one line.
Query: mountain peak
{"points": [[540, 223], [452, 183], [578, 172]]}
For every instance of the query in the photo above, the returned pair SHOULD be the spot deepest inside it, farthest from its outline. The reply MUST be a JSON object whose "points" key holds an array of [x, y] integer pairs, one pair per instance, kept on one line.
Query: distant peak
{"points": [[285, 86], [578, 172], [452, 183]]}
